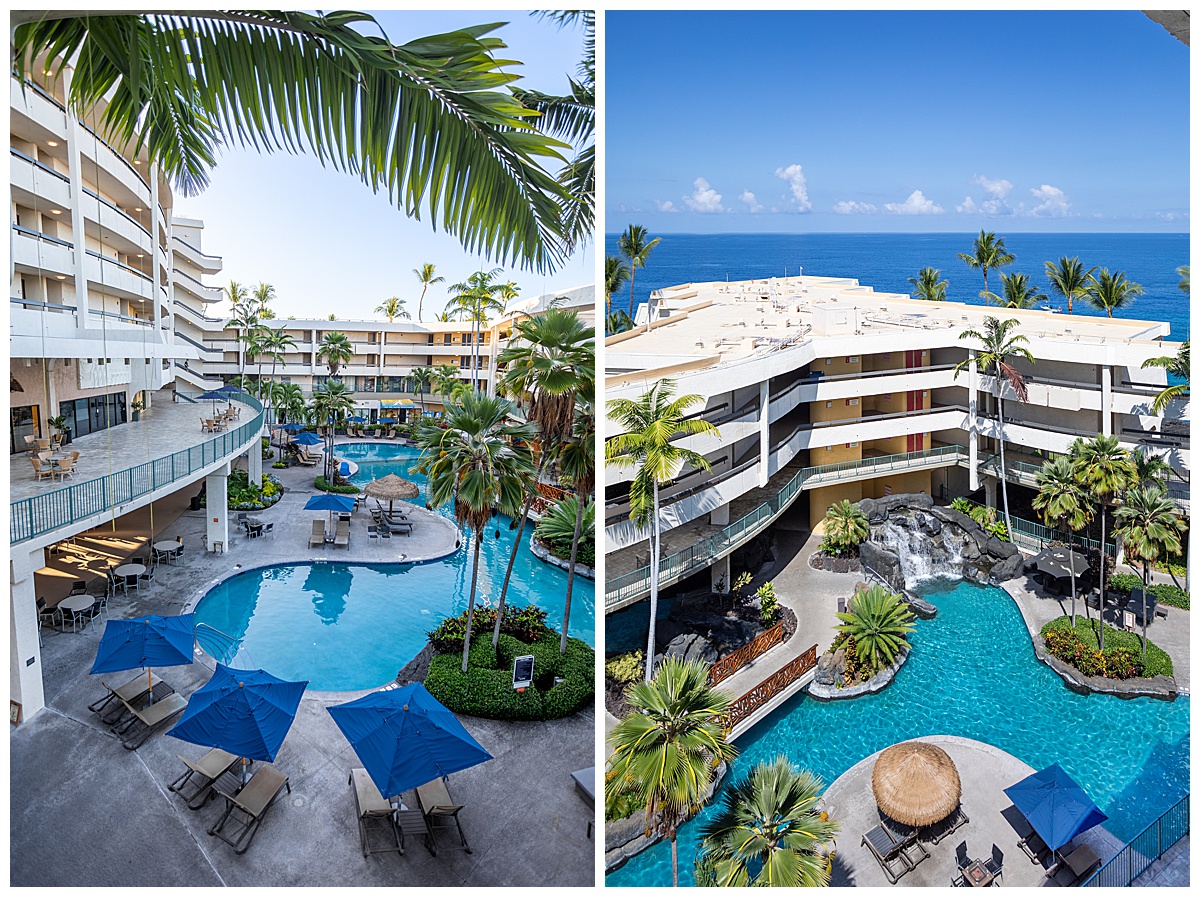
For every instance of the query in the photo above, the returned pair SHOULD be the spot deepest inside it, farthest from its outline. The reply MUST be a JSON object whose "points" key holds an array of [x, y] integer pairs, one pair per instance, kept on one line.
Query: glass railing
{"points": [[58, 508], [40, 165]]}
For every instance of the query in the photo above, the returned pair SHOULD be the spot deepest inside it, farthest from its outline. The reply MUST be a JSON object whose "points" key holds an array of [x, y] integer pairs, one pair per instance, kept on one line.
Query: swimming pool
{"points": [[349, 626], [973, 673]]}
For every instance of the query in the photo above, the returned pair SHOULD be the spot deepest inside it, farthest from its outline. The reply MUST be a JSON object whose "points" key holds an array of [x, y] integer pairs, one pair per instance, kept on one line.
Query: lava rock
{"points": [[931, 525], [690, 646], [1008, 568], [831, 668], [884, 562], [920, 606]]}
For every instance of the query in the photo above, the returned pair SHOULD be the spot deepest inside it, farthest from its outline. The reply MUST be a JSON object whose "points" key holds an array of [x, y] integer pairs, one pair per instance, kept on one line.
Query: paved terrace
{"points": [[96, 814]]}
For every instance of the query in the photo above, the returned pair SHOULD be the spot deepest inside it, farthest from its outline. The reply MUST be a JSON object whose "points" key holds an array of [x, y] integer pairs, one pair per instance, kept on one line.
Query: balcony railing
{"points": [[1035, 536], [40, 165], [58, 508]]}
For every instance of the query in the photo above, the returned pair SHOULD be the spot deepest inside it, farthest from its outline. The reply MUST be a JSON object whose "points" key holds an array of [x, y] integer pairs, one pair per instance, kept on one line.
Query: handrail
{"points": [[197, 344], [104, 258], [226, 643], [42, 165], [199, 314], [726, 666], [45, 94], [1146, 847], [57, 508], [769, 688], [1042, 534], [118, 210], [38, 235], [50, 306], [199, 252], [112, 149], [196, 282]]}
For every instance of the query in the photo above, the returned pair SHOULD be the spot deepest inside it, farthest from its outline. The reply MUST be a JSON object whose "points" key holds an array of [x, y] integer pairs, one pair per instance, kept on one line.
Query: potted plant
{"points": [[137, 406], [59, 425]]}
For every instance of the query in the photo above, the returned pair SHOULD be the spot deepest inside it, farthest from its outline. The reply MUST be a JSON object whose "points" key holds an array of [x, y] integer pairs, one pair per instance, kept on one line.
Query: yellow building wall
{"points": [[835, 454], [912, 481], [835, 409], [838, 365], [820, 500]]}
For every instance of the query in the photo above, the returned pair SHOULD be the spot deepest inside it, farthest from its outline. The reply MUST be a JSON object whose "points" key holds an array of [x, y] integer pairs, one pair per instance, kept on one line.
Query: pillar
{"points": [[25, 654], [989, 491], [79, 253], [719, 516], [973, 420], [764, 432], [719, 573], [254, 462], [1106, 400], [156, 296], [217, 492]]}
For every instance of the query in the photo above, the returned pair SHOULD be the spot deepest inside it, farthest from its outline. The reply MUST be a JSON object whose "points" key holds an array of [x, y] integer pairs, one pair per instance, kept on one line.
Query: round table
{"points": [[130, 570], [166, 547], [75, 604]]}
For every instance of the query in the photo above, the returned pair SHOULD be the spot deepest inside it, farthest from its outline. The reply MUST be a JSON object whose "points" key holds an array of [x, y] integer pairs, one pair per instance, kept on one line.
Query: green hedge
{"points": [[1117, 643], [486, 688], [1167, 593], [348, 489]]}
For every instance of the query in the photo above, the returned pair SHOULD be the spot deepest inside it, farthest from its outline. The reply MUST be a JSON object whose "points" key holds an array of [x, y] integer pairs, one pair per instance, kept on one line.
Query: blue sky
{"points": [[326, 242], [895, 122]]}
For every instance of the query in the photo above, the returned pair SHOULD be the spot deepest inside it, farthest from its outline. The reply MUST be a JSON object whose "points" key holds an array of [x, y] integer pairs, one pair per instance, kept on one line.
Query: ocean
{"points": [[886, 261]]}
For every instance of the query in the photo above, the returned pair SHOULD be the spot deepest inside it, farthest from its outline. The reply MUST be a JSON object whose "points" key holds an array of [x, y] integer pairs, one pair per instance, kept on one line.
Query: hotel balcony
{"points": [[209, 264], [201, 291]]}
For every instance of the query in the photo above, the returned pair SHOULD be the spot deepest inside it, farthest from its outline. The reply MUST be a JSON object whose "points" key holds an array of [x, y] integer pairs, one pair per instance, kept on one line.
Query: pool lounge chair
{"points": [[130, 691], [249, 806], [206, 771], [1031, 842], [393, 527], [372, 806], [888, 853], [341, 534], [317, 537], [441, 813], [939, 830], [1074, 868], [154, 717]]}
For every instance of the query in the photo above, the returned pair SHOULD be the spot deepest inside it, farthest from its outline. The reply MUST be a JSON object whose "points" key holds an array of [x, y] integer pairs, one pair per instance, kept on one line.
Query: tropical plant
{"points": [[446, 382], [577, 469], [421, 379], [264, 295], [999, 344], [1068, 279], [634, 246], [1062, 504], [481, 462], [879, 621], [393, 306], [1018, 292], [1149, 468], [243, 316], [768, 604], [617, 322], [557, 524], [425, 274], [275, 342], [1111, 292], [330, 404], [1178, 365], [336, 349], [770, 830], [927, 285], [410, 119], [290, 403], [1185, 278], [665, 752], [987, 253], [474, 300], [649, 425], [845, 527], [1150, 526], [616, 272]]}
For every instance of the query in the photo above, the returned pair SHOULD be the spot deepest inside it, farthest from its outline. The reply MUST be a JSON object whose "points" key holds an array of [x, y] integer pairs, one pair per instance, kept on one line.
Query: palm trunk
{"points": [[1103, 565], [1003, 473], [674, 858], [517, 543], [632, 276], [562, 645], [1071, 566], [471, 602], [653, 587], [1145, 589], [421, 302]]}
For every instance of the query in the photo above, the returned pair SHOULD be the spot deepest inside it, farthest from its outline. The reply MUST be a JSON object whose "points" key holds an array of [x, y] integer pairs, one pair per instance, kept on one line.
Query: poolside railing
{"points": [[1135, 857], [735, 660], [1036, 536], [768, 689]]}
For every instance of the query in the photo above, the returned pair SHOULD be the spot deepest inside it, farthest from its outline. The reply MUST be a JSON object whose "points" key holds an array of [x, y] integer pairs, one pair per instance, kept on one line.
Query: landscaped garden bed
{"points": [[871, 645], [1166, 593], [1122, 656], [245, 496]]}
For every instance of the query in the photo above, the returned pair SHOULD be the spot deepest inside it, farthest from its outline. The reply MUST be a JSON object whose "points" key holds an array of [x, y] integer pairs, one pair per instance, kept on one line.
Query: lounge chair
{"points": [[375, 435], [887, 852], [391, 433], [206, 771], [318, 533], [306, 459], [341, 534], [1031, 842], [936, 832], [154, 717], [1078, 864], [394, 527], [441, 812], [247, 808], [373, 806]]}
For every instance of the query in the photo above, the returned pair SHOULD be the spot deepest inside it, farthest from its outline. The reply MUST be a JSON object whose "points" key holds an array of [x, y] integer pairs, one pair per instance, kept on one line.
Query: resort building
{"points": [[823, 389]]}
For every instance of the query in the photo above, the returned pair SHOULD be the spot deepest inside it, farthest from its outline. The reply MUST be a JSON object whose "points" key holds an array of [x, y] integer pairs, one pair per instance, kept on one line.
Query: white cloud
{"points": [[667, 206], [794, 175], [751, 200], [1170, 216], [968, 206], [1054, 203], [998, 189], [916, 204], [704, 198], [852, 207]]}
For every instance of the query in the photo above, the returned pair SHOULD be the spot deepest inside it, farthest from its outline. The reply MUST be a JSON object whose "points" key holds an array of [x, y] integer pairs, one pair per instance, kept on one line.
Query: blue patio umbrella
{"points": [[148, 642], [292, 427], [357, 420], [406, 738], [329, 501], [308, 439], [215, 395], [390, 421], [1055, 805]]}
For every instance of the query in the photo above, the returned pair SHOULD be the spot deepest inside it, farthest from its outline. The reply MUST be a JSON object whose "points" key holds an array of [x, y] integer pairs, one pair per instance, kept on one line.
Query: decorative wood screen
{"points": [[734, 661], [769, 688]]}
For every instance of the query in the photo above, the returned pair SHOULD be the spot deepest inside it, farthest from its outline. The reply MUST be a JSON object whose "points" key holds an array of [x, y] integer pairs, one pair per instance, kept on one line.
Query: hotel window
{"points": [[829, 404], [828, 361], [851, 401], [431, 339], [829, 448]]}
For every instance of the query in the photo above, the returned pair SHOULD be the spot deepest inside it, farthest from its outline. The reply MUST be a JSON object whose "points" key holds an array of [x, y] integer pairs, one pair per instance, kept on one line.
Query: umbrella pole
{"points": [[244, 770], [150, 683]]}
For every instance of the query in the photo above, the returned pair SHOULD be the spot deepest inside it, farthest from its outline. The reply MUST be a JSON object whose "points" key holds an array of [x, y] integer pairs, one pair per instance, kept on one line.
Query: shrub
{"points": [[340, 489], [525, 623], [280, 465], [880, 622], [556, 530], [1167, 593], [845, 527], [857, 670], [244, 496], [769, 604], [739, 586], [1122, 656], [626, 668]]}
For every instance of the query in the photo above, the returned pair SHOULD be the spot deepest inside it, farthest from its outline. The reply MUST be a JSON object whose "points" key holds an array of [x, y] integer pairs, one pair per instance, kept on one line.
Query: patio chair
{"points": [[962, 858], [206, 771], [995, 865], [341, 534], [249, 806], [372, 532], [45, 613], [154, 717], [375, 435], [306, 460], [99, 608], [133, 693], [317, 537], [40, 472], [373, 806], [391, 433], [43, 445], [31, 443], [267, 529], [178, 552], [441, 813], [78, 587]]}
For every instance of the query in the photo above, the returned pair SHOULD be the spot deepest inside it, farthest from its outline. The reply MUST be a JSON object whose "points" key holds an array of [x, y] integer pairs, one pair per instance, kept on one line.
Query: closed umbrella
{"points": [[148, 642], [1055, 805], [392, 488], [916, 783]]}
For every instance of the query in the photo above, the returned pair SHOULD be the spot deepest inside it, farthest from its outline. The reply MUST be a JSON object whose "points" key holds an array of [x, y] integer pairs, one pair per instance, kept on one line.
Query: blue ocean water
{"points": [[886, 261], [1131, 756]]}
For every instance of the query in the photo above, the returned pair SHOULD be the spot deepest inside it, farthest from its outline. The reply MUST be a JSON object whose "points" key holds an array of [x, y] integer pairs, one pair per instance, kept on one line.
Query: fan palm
{"points": [[666, 750], [336, 349], [330, 404], [392, 307], [410, 119], [987, 252], [927, 285], [1185, 278], [769, 830], [879, 622], [1061, 504], [1111, 292], [650, 424], [1018, 292], [1068, 279], [846, 525], [999, 344], [577, 469], [481, 462], [1180, 366], [1148, 468], [636, 248], [425, 274], [1151, 527], [616, 272]]}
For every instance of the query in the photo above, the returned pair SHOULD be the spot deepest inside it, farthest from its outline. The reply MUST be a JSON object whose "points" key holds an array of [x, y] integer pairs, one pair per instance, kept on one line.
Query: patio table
{"points": [[976, 874], [76, 604], [166, 549], [130, 570]]}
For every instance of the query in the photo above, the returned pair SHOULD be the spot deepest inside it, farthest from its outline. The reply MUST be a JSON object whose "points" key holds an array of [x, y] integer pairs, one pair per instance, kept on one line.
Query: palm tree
{"points": [[421, 379], [243, 316], [846, 525], [446, 382], [770, 831], [1185, 278], [1018, 292], [290, 402], [410, 119], [616, 272], [1061, 504], [879, 621], [275, 342], [1104, 469], [330, 404], [636, 248], [998, 346], [650, 424], [1179, 365], [1111, 292], [264, 295], [617, 322], [987, 252], [928, 286], [336, 349], [1148, 468], [472, 301], [482, 463], [667, 749], [425, 274], [1151, 527], [1068, 279], [577, 469], [392, 307]]}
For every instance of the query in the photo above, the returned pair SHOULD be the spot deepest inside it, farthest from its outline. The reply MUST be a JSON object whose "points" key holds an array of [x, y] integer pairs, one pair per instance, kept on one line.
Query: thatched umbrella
{"points": [[916, 783], [392, 488]]}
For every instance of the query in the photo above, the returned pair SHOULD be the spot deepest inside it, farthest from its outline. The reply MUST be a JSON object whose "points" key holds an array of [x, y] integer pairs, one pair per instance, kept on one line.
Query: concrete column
{"points": [[719, 571], [989, 491], [972, 420], [1106, 400], [764, 431], [25, 654], [217, 492], [254, 463], [719, 516], [156, 253], [75, 171]]}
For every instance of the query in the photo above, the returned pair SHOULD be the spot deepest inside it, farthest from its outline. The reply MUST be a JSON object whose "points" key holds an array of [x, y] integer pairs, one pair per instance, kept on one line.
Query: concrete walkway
{"points": [[1171, 870]]}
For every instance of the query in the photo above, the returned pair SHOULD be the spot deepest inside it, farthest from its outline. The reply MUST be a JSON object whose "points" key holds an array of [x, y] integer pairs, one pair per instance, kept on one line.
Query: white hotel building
{"points": [[824, 390]]}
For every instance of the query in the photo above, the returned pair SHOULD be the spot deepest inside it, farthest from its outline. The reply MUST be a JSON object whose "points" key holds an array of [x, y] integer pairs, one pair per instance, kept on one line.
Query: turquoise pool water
{"points": [[353, 626], [973, 673]]}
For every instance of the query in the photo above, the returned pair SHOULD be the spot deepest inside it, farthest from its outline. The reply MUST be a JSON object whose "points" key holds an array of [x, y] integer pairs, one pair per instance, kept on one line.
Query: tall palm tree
{"points": [[1150, 526], [392, 307], [667, 749], [290, 402], [473, 300], [999, 344], [1178, 365], [425, 274], [264, 295], [987, 252], [617, 322], [336, 349], [769, 830], [650, 424], [1148, 468], [446, 382], [1062, 504], [577, 469], [1185, 278], [1068, 279], [410, 119], [482, 463], [275, 342], [421, 378], [330, 404], [636, 248], [928, 285], [1105, 470], [616, 272], [1018, 292], [1111, 292], [243, 316]]}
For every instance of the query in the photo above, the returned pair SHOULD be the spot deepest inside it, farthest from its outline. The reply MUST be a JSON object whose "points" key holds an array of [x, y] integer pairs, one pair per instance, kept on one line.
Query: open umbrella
{"points": [[148, 642], [215, 395], [245, 712], [308, 439], [916, 783], [392, 488], [1059, 562], [390, 421], [329, 501], [357, 419], [292, 427], [1055, 805], [406, 738]]}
